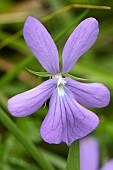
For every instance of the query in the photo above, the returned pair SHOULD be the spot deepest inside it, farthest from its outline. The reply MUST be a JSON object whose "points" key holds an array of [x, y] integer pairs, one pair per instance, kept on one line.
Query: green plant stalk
{"points": [[35, 153], [40, 74], [70, 26], [13, 73], [73, 160], [76, 78]]}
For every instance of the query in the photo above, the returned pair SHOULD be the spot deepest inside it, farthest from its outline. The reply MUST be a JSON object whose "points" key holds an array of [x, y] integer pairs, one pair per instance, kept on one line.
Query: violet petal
{"points": [[89, 94], [82, 38], [108, 165], [89, 154], [28, 102], [67, 120], [41, 44]]}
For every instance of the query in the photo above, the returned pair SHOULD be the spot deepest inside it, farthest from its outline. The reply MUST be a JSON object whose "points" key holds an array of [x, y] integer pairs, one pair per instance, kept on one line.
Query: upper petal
{"points": [[82, 38], [66, 120], [91, 94], [108, 165], [28, 102], [89, 154], [41, 44]]}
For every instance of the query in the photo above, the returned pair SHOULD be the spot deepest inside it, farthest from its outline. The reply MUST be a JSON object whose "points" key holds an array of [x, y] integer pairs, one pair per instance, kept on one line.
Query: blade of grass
{"points": [[73, 160], [36, 154], [13, 73], [69, 7], [9, 39], [14, 42], [70, 26], [55, 159]]}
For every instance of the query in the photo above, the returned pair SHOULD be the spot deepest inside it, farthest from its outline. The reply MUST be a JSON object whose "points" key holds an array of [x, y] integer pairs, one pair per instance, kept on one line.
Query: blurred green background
{"points": [[96, 64]]}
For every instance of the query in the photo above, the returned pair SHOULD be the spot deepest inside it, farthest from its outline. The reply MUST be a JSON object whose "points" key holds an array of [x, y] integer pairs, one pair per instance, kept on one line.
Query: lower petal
{"points": [[67, 120], [28, 102]]}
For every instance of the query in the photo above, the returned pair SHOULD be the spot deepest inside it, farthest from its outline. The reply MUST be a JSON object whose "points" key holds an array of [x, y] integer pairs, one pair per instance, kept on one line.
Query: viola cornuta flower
{"points": [[89, 155], [67, 120]]}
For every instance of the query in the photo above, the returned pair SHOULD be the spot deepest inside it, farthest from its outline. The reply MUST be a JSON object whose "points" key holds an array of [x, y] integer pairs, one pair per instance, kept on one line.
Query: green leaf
{"points": [[55, 159], [13, 73], [70, 26], [73, 161], [76, 78], [41, 74], [28, 145]]}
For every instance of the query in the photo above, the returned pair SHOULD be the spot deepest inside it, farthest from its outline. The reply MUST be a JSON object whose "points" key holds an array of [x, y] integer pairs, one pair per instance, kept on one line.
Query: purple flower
{"points": [[89, 155], [66, 120]]}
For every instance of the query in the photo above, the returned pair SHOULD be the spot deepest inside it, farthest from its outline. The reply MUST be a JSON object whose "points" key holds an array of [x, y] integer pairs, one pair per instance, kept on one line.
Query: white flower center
{"points": [[60, 84]]}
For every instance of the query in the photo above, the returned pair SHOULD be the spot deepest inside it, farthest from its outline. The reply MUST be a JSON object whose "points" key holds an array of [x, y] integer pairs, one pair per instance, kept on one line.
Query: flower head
{"points": [[89, 155], [66, 120]]}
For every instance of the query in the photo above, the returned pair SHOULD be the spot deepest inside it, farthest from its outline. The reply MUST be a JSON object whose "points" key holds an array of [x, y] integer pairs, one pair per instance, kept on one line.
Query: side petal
{"points": [[108, 165], [41, 44], [92, 95], [66, 120], [82, 38], [89, 154], [28, 102]]}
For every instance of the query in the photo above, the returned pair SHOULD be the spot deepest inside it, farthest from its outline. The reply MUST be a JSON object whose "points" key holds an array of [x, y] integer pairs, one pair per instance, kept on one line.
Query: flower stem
{"points": [[73, 160], [36, 154]]}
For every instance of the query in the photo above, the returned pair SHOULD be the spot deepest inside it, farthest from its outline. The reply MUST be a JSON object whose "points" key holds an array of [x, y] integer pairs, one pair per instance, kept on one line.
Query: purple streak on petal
{"points": [[108, 165], [66, 120], [91, 95], [51, 129], [41, 44], [82, 38], [89, 154], [28, 102]]}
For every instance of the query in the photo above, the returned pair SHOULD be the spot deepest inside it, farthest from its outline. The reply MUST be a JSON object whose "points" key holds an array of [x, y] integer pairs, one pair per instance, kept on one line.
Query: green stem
{"points": [[73, 160], [35, 153], [70, 26], [14, 72]]}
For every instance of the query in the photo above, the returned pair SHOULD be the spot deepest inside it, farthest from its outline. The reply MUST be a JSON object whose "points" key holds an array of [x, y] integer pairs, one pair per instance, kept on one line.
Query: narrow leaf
{"points": [[42, 74], [73, 160], [76, 78], [36, 154]]}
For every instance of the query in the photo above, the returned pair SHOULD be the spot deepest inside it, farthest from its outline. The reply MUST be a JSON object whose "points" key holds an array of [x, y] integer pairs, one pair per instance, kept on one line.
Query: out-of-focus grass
{"points": [[96, 64]]}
